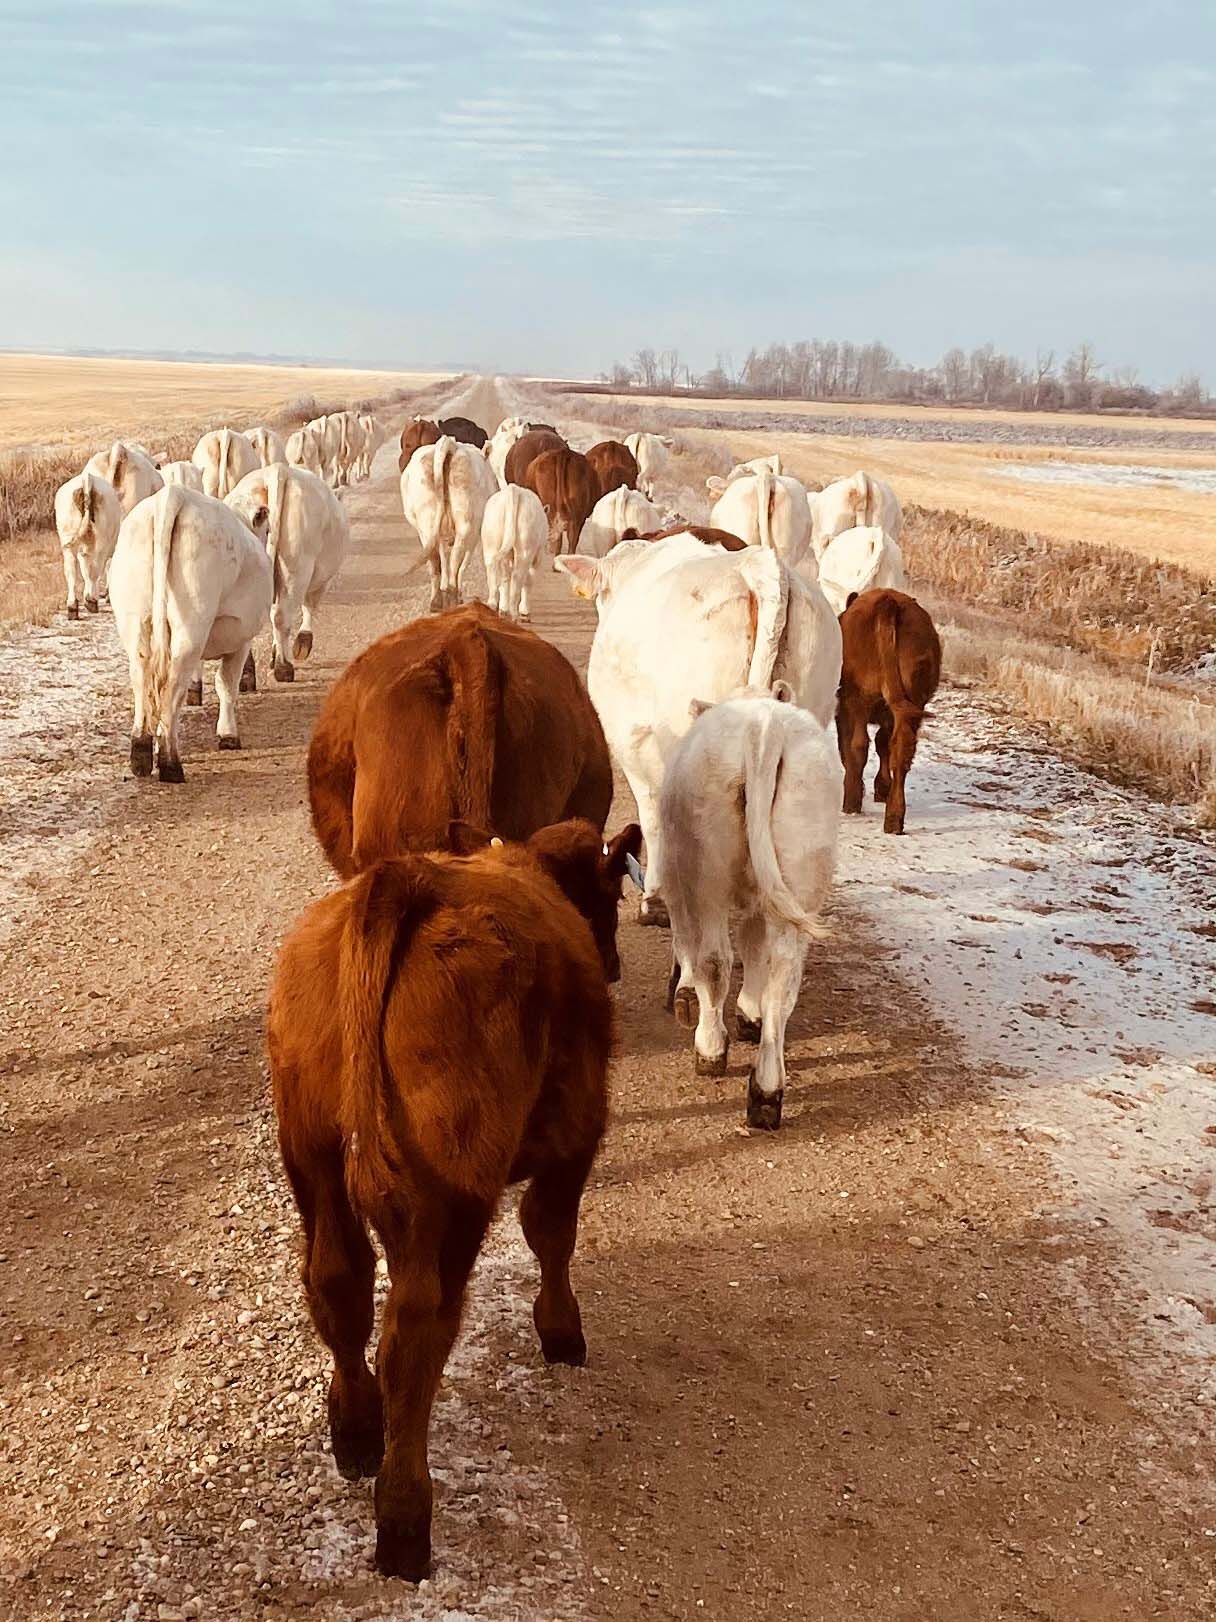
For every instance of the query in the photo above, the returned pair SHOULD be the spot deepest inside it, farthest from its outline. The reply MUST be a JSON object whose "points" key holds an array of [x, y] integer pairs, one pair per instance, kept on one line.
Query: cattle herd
{"points": [[440, 1025]]}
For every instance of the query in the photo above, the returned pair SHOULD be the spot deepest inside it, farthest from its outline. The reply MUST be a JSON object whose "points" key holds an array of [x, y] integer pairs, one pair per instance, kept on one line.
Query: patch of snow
{"points": [[1111, 473], [1066, 930]]}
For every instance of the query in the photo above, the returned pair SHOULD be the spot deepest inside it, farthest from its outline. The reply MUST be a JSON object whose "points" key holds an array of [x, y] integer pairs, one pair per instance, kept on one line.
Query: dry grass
{"points": [[1094, 598], [79, 403], [1152, 737]]}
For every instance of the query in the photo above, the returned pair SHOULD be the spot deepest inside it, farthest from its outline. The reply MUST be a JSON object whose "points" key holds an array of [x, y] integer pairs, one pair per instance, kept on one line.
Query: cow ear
{"points": [[585, 573], [782, 692], [699, 706], [851, 599], [715, 484], [627, 843], [466, 837]]}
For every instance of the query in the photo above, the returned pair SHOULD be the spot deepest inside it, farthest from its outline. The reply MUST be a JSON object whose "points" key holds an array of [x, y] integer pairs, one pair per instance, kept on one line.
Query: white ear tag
{"points": [[496, 843]]}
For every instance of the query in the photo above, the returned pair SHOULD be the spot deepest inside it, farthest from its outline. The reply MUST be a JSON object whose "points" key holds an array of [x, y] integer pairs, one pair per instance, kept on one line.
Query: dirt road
{"points": [[940, 1349]]}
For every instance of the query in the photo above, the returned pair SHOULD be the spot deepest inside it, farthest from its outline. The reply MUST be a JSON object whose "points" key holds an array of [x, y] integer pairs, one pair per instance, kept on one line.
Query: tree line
{"points": [[819, 369]]}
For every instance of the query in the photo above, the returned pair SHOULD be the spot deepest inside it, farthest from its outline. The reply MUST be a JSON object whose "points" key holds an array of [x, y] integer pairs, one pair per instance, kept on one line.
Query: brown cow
{"points": [[568, 490], [417, 432], [703, 532], [615, 465], [438, 1029], [464, 431], [458, 715], [525, 451], [892, 663]]}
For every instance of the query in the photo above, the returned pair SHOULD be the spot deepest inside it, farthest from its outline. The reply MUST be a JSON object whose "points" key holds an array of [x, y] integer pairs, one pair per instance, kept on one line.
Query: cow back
{"points": [[614, 465], [464, 430], [460, 715], [525, 451]]}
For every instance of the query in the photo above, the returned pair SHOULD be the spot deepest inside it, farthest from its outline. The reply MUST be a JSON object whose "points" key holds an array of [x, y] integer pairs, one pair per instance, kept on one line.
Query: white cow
{"points": [[681, 621], [268, 446], [351, 437], [611, 516], [859, 560], [328, 432], [129, 470], [766, 509], [189, 581], [857, 502], [509, 432], [743, 470], [650, 453], [182, 473], [374, 435], [87, 515], [750, 808], [304, 450], [444, 491], [308, 536], [514, 531], [223, 457]]}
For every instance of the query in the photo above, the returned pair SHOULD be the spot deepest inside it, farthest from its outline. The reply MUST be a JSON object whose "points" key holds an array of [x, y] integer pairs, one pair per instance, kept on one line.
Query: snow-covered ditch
{"points": [[1066, 931], [1111, 473]]}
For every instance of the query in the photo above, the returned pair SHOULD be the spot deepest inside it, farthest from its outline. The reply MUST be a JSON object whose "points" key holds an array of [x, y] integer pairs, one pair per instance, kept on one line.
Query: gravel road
{"points": [[888, 1364]]}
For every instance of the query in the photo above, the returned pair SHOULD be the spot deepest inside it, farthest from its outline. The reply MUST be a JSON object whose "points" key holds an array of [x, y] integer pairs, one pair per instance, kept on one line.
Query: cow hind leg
{"points": [[421, 1320], [711, 965], [853, 736], [882, 747], [90, 583], [339, 1275], [434, 566], [249, 674], [302, 646], [69, 575], [227, 685], [903, 752], [753, 950], [548, 1214], [766, 1084], [141, 735]]}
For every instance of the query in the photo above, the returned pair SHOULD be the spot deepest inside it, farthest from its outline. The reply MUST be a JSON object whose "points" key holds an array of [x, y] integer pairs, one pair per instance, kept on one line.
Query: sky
{"points": [[542, 187]]}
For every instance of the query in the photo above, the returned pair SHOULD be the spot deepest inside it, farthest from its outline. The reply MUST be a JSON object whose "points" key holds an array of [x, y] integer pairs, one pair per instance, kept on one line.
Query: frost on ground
{"points": [[1067, 930], [1112, 473], [61, 708]]}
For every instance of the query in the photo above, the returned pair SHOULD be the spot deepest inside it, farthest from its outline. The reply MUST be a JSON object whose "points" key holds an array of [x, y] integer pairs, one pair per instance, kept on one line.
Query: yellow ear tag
{"points": [[581, 591]]}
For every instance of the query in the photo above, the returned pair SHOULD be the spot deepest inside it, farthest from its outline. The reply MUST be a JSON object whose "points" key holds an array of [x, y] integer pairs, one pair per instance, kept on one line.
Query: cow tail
{"points": [[117, 464], [276, 500], [766, 490], [441, 458], [886, 637], [387, 904], [867, 490], [163, 521], [88, 501], [513, 525], [762, 766], [475, 675], [770, 591]]}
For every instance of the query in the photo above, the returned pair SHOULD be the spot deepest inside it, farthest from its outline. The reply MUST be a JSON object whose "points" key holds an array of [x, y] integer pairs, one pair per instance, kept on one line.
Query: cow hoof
{"points": [[92, 604], [564, 1346], [141, 756], [303, 646], [283, 671], [747, 1030], [713, 1065], [170, 771], [403, 1551], [229, 743], [437, 603], [686, 1007], [893, 825], [73, 611], [194, 694], [763, 1109], [853, 810], [653, 912]]}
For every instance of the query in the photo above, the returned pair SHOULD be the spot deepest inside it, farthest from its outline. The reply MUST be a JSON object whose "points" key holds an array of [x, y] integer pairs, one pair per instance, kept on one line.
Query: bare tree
{"points": [[956, 374], [1081, 372], [646, 368], [1044, 367]]}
